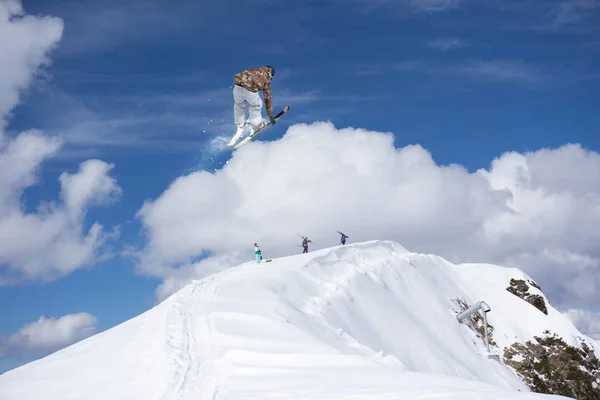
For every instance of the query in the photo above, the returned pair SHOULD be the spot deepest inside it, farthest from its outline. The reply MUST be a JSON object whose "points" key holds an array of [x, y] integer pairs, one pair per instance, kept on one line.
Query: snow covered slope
{"points": [[362, 321]]}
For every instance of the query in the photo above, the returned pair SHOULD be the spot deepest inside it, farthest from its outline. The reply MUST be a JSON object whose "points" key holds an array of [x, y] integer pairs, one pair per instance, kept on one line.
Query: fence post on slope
{"points": [[485, 308]]}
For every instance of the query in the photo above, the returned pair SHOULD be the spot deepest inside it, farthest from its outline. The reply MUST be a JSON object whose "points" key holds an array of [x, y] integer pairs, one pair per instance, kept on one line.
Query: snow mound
{"points": [[363, 321]]}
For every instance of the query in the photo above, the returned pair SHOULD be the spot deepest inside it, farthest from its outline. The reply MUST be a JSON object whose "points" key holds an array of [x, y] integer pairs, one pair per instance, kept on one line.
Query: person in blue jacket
{"points": [[343, 238], [258, 253]]}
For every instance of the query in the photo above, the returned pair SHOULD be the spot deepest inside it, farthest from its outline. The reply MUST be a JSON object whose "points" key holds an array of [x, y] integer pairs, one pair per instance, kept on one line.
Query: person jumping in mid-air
{"points": [[343, 238], [247, 84], [305, 242]]}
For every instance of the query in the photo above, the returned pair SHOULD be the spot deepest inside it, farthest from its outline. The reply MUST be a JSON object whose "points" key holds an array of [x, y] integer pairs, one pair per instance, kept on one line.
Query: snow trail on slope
{"points": [[189, 338]]}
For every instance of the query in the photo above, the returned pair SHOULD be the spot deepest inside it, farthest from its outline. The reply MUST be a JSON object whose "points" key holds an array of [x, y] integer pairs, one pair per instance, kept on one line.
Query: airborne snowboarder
{"points": [[247, 84], [343, 238]]}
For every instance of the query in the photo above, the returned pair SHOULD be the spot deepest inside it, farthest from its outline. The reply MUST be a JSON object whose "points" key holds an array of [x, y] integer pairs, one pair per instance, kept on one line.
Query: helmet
{"points": [[272, 69]]}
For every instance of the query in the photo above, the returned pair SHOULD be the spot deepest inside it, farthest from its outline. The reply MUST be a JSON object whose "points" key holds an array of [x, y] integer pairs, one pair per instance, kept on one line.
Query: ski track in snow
{"points": [[194, 352]]}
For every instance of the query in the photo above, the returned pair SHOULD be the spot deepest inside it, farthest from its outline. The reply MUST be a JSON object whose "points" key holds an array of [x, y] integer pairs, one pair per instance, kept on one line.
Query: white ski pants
{"points": [[241, 96]]}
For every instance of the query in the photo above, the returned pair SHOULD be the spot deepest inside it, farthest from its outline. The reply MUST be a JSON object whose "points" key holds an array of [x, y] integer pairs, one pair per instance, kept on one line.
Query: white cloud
{"points": [[91, 186], [24, 45], [588, 322], [49, 334], [52, 241], [19, 159], [538, 211]]}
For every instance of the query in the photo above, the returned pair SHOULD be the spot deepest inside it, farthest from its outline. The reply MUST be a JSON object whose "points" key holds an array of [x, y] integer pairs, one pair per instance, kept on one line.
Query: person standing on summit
{"points": [[257, 253], [247, 84], [305, 242]]}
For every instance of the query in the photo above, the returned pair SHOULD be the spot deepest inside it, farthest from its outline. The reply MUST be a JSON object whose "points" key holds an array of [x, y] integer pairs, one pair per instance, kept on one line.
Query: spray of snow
{"points": [[362, 321], [212, 154], [219, 143]]}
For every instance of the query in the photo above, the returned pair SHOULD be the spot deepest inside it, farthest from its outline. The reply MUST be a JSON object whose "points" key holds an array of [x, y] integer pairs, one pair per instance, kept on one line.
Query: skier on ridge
{"points": [[343, 238], [305, 242], [258, 253], [247, 84]]}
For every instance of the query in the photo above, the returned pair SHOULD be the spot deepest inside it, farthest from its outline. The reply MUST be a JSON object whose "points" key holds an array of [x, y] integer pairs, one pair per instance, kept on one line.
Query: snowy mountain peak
{"points": [[370, 320]]}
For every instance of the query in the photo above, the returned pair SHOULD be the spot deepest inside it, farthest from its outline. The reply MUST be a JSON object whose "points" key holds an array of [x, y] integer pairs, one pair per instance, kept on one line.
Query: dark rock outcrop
{"points": [[549, 365], [520, 288]]}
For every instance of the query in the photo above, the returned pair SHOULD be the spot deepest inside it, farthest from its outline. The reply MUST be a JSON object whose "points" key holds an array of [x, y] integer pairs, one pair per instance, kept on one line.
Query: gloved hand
{"points": [[272, 119]]}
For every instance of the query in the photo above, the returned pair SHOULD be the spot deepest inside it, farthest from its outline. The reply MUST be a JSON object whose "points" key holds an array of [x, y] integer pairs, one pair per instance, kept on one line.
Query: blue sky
{"points": [[147, 86]]}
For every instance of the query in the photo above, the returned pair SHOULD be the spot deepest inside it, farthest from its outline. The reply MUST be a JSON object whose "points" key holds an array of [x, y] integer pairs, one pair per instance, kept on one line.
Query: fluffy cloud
{"points": [[588, 322], [91, 185], [24, 45], [49, 334], [53, 241], [537, 211]]}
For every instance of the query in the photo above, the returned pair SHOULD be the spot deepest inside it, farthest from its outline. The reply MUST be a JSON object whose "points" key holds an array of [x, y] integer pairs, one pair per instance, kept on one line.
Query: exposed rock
{"points": [[520, 288], [549, 365]]}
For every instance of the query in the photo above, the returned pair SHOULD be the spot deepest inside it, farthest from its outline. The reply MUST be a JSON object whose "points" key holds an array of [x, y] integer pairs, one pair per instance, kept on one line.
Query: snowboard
{"points": [[249, 137]]}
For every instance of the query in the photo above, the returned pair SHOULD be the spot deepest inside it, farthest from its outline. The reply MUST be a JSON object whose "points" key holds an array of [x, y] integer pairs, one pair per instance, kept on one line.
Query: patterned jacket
{"points": [[255, 79]]}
